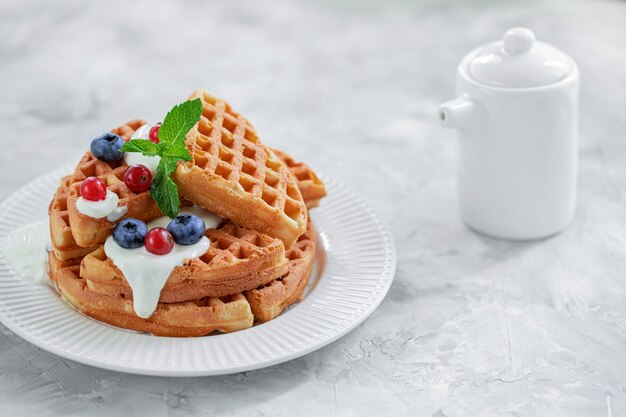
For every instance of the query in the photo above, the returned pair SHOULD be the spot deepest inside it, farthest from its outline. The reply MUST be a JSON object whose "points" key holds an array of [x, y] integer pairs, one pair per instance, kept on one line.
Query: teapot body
{"points": [[517, 155]]}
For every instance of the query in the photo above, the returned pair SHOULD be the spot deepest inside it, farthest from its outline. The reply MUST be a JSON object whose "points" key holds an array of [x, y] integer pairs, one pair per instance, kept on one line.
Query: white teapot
{"points": [[517, 120]]}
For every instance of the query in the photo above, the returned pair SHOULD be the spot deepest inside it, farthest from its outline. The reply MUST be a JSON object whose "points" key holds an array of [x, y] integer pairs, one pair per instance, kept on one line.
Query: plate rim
{"points": [[31, 335]]}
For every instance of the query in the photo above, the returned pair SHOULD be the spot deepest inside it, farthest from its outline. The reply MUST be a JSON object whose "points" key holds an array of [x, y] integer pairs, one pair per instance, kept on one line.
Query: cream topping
{"points": [[133, 158], [103, 208], [147, 273]]}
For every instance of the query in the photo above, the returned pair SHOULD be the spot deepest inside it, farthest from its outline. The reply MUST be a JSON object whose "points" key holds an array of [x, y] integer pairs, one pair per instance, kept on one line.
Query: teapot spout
{"points": [[457, 113]]}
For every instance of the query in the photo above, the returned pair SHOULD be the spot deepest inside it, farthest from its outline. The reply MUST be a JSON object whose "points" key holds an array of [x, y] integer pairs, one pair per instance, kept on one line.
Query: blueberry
{"points": [[186, 229], [106, 147], [130, 233]]}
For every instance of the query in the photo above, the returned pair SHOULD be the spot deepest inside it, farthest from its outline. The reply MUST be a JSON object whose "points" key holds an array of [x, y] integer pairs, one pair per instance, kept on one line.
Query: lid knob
{"points": [[517, 60], [518, 40]]}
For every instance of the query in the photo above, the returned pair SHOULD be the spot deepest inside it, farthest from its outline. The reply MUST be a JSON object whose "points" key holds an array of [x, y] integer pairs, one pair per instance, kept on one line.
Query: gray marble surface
{"points": [[472, 326]]}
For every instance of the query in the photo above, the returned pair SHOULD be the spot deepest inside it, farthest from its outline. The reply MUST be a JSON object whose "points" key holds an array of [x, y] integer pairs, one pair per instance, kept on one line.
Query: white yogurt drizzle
{"points": [[24, 249], [133, 158], [147, 273], [103, 208]]}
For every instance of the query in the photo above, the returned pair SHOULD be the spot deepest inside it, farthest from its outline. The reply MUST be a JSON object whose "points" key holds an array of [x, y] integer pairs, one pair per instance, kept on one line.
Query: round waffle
{"points": [[237, 260], [63, 242], [190, 318], [195, 317], [310, 186], [270, 300], [87, 231]]}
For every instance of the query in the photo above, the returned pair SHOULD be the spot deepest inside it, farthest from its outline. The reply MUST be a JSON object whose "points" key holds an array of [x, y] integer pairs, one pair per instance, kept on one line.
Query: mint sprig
{"points": [[171, 149]]}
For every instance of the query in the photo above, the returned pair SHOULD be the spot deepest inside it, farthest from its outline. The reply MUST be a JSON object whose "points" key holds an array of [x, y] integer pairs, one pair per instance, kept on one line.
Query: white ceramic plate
{"points": [[355, 266]]}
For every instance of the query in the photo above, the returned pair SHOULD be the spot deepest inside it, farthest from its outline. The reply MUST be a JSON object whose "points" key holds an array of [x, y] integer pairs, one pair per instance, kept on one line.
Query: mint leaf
{"points": [[164, 190], [179, 121], [171, 148], [180, 153], [141, 145]]}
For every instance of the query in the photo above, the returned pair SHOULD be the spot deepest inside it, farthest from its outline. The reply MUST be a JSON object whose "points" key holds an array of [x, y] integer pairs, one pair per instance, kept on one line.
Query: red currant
{"points": [[159, 241], [154, 133], [93, 189], [138, 178]]}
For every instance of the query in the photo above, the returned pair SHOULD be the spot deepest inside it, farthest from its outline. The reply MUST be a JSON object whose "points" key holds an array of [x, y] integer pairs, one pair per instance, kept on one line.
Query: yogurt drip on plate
{"points": [[147, 273], [133, 158], [104, 208], [25, 251]]}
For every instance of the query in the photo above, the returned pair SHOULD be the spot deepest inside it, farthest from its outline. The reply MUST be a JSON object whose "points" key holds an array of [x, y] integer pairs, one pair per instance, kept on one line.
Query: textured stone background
{"points": [[472, 326]]}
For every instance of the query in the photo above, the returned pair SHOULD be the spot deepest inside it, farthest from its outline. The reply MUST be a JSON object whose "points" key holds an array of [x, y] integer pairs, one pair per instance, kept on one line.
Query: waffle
{"points": [[55, 265], [235, 176], [185, 319], [269, 301], [65, 246], [311, 187], [191, 318], [237, 260], [88, 231], [63, 242]]}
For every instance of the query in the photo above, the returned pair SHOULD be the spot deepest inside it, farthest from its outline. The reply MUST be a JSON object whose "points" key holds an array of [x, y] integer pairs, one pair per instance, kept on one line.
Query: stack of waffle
{"points": [[260, 257]]}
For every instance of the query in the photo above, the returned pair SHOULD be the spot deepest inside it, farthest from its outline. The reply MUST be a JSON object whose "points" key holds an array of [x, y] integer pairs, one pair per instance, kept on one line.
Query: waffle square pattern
{"points": [[235, 176]]}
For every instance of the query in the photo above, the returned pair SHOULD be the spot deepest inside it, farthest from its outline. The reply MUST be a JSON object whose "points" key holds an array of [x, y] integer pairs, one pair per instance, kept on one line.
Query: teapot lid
{"points": [[518, 61]]}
